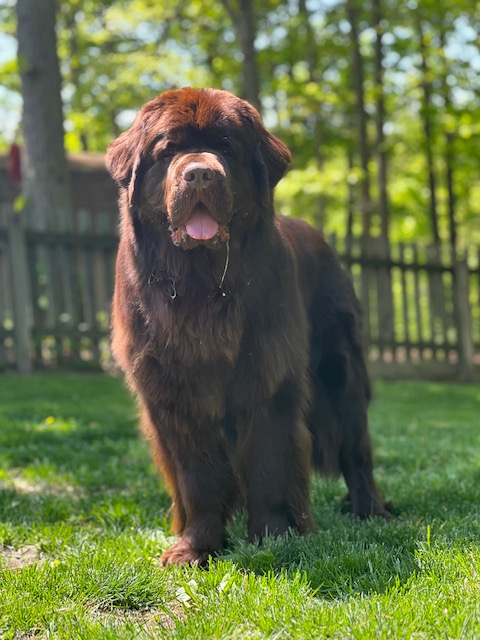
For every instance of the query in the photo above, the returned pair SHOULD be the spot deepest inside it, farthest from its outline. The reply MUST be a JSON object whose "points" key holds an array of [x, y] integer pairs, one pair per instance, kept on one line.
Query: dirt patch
{"points": [[19, 557]]}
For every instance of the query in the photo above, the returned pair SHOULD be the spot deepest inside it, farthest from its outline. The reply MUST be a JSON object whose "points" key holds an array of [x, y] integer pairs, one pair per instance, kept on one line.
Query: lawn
{"points": [[84, 519]]}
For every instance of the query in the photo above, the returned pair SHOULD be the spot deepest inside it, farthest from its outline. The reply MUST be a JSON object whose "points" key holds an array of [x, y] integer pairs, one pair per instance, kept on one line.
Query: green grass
{"points": [[83, 521]]}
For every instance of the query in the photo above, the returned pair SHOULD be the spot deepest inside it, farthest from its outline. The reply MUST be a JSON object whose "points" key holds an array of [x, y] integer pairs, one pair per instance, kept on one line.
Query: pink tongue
{"points": [[201, 226]]}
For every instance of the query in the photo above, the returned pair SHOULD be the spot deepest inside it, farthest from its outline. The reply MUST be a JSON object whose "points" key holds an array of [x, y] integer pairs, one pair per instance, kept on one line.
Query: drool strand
{"points": [[222, 279]]}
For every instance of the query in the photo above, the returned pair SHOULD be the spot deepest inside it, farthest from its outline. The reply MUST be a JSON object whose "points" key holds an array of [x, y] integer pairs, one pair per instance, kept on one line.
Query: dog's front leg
{"points": [[275, 461], [193, 461]]}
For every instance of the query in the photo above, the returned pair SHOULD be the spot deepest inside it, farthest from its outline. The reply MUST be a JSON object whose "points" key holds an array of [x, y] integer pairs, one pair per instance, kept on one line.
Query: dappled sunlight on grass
{"points": [[85, 520]]}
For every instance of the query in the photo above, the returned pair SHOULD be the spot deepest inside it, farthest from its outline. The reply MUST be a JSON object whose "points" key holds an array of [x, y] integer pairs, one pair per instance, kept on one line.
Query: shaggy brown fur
{"points": [[236, 328]]}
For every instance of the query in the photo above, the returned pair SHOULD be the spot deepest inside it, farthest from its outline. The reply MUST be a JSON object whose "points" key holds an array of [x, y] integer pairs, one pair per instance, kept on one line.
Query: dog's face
{"points": [[194, 159]]}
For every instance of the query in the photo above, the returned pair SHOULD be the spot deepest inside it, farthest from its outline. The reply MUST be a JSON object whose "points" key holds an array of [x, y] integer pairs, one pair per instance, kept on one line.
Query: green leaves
{"points": [[115, 56]]}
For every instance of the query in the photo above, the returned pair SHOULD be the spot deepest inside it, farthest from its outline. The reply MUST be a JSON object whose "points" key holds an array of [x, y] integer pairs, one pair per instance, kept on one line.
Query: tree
{"points": [[45, 180], [383, 204], [366, 206], [368, 141], [243, 18], [449, 149], [426, 113]]}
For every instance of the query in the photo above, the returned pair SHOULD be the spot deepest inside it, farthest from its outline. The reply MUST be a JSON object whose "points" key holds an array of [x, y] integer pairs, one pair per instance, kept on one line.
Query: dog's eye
{"points": [[169, 152]]}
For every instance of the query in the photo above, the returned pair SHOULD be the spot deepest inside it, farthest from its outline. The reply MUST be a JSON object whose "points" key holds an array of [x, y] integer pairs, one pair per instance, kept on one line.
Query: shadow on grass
{"points": [[86, 474], [343, 558], [347, 556]]}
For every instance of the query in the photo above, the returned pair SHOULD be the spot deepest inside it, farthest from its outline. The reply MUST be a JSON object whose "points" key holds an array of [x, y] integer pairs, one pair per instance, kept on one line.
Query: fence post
{"points": [[385, 313], [464, 321], [20, 291]]}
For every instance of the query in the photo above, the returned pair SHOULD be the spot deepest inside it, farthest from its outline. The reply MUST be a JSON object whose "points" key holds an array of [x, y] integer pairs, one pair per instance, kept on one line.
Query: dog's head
{"points": [[193, 159]]}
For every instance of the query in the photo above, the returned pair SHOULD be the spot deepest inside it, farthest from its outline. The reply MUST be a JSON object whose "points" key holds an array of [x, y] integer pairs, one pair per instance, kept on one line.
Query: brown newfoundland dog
{"points": [[236, 328]]}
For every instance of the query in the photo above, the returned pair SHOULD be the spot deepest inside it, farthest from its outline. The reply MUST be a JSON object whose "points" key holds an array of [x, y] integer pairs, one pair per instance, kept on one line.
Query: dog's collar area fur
{"points": [[171, 288], [169, 283]]}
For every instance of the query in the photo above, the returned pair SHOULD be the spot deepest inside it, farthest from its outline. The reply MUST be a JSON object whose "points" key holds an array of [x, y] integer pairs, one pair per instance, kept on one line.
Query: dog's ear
{"points": [[126, 161], [271, 156], [275, 154]]}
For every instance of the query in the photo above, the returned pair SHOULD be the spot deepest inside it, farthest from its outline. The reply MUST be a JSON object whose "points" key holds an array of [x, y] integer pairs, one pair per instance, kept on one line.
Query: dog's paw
{"points": [[184, 553]]}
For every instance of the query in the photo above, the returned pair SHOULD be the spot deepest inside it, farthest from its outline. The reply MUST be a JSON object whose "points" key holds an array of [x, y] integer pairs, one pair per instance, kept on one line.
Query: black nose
{"points": [[198, 175]]}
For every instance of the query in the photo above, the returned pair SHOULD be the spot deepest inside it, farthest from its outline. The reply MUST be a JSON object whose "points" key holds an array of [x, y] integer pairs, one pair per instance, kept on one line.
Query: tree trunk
{"points": [[45, 171], [361, 117], [366, 208], [350, 202], [385, 310], [318, 131], [437, 299], [246, 32], [383, 203], [428, 133], [244, 21], [449, 153]]}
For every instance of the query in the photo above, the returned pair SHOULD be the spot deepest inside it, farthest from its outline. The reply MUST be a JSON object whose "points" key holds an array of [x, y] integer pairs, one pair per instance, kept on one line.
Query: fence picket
{"points": [[6, 312], [465, 342], [20, 292], [418, 311]]}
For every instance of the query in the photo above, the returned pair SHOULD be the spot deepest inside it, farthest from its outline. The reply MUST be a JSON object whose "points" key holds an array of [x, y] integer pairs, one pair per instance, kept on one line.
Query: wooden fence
{"points": [[421, 304], [421, 308], [55, 293]]}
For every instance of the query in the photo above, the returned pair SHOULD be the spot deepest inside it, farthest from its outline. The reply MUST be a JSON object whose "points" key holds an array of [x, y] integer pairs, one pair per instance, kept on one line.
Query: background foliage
{"points": [[115, 56]]}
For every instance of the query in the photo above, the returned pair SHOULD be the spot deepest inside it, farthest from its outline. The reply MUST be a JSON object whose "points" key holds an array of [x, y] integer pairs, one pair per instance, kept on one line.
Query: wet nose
{"points": [[198, 175]]}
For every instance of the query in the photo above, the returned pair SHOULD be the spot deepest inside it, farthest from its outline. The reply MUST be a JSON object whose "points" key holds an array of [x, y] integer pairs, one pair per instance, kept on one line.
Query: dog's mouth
{"points": [[200, 228], [201, 225]]}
